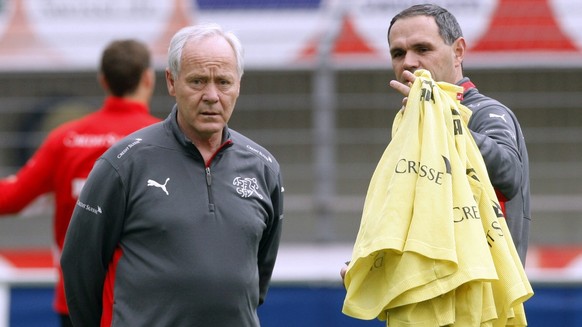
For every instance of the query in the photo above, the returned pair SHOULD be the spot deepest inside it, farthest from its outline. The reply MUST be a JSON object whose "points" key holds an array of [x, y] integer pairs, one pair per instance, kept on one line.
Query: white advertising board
{"points": [[50, 35]]}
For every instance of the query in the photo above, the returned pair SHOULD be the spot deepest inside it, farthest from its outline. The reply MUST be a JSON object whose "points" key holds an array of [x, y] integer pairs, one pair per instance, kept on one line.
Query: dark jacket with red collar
{"points": [[159, 237]]}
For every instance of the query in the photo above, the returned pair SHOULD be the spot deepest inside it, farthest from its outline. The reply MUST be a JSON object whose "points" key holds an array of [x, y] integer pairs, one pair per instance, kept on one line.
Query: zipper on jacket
{"points": [[209, 174], [209, 188]]}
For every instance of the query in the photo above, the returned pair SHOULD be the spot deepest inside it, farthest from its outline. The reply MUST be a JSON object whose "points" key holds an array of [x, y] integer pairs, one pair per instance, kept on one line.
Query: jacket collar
{"points": [[172, 124]]}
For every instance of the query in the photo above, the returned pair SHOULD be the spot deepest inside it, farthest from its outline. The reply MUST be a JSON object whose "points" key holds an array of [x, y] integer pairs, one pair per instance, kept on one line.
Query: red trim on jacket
{"points": [[109, 288]]}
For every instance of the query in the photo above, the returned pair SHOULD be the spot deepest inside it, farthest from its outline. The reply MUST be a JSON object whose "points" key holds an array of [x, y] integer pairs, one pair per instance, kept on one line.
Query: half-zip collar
{"points": [[172, 124]]}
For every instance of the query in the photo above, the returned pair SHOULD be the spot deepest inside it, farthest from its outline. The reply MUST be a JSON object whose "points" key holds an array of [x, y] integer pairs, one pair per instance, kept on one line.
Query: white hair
{"points": [[199, 32]]}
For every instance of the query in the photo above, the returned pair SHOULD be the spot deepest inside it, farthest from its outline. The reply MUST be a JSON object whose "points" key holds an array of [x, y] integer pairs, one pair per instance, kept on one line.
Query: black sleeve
{"points": [[91, 239], [494, 130], [269, 245]]}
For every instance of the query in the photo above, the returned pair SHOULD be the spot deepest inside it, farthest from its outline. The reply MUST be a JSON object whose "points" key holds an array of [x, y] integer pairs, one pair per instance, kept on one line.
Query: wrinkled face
{"points": [[206, 88], [415, 43]]}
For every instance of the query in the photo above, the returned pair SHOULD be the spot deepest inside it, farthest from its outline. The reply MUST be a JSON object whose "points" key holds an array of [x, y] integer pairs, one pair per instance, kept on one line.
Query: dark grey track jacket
{"points": [[498, 135], [172, 241]]}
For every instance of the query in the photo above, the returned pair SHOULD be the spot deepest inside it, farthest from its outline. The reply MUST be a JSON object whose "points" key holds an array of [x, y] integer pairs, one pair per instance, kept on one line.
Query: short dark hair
{"points": [[449, 28], [122, 64]]}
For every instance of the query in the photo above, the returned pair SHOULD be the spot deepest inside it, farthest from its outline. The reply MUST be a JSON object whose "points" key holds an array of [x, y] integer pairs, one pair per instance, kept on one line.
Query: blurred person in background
{"points": [[62, 163], [179, 224], [429, 37]]}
